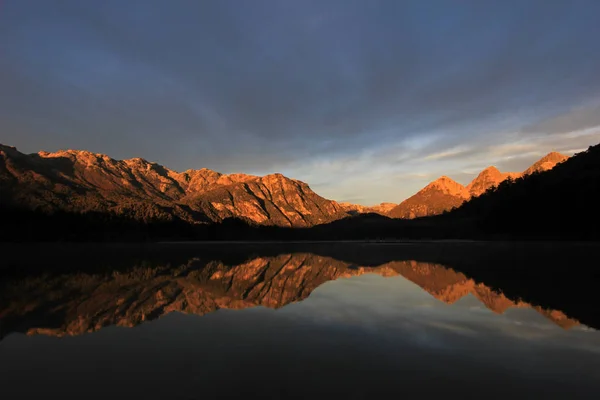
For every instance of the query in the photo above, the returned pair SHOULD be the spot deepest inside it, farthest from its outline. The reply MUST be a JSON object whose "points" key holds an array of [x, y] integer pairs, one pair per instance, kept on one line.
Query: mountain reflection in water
{"points": [[74, 304], [295, 325]]}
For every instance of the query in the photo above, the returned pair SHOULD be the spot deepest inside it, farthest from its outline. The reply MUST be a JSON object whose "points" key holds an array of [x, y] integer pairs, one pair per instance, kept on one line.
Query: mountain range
{"points": [[81, 181], [443, 194], [353, 209]]}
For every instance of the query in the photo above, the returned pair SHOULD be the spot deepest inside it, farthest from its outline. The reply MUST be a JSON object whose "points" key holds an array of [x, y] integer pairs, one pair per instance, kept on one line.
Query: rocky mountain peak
{"points": [[382, 208], [276, 177], [138, 162], [444, 193], [546, 163], [82, 158], [146, 190], [486, 179], [449, 186], [278, 181], [553, 156], [491, 171], [200, 180], [440, 195]]}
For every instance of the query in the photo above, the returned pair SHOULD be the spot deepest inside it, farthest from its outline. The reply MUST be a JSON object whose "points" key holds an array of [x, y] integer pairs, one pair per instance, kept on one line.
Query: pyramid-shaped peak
{"points": [[545, 163], [448, 186], [445, 179], [553, 156], [490, 172], [491, 169], [488, 178]]}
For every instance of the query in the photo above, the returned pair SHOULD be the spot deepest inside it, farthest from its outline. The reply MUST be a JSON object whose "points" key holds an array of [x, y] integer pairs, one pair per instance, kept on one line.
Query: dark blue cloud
{"points": [[283, 85]]}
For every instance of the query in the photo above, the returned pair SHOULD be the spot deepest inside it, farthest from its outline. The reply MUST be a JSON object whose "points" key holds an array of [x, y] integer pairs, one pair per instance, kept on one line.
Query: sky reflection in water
{"points": [[358, 337]]}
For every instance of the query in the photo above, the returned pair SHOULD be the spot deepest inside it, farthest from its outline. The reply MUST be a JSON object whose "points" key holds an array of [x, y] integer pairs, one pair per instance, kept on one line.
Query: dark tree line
{"points": [[563, 203]]}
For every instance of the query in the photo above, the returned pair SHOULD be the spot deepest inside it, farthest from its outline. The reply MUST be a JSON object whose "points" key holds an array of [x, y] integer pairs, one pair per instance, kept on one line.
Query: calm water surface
{"points": [[296, 325]]}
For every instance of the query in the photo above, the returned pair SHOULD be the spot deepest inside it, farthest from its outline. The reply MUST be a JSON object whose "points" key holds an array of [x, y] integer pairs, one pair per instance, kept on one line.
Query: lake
{"points": [[349, 320]]}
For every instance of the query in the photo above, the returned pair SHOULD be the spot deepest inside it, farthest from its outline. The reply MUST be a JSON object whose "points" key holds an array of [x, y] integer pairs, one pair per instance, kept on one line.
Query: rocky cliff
{"points": [[82, 181]]}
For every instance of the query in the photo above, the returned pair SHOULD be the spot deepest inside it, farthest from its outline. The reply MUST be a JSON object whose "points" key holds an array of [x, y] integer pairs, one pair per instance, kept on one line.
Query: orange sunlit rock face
{"points": [[75, 180], [444, 194], [382, 208]]}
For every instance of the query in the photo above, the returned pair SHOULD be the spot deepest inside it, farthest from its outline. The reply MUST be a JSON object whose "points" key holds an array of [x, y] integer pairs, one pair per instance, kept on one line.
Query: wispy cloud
{"points": [[347, 92]]}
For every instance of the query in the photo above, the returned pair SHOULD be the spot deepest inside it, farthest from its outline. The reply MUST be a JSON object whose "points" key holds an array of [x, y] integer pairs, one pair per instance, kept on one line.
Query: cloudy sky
{"points": [[365, 100]]}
